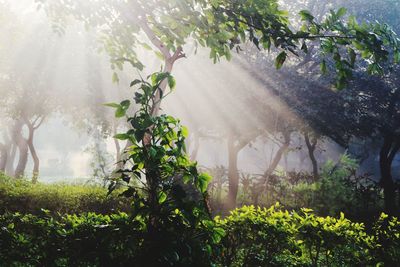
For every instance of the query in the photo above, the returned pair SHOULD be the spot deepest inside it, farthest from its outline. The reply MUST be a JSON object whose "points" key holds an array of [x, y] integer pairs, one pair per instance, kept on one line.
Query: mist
{"points": [[207, 94]]}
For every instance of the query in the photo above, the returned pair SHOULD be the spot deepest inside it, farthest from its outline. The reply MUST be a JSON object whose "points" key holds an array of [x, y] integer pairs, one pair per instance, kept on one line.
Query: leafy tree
{"points": [[222, 25]]}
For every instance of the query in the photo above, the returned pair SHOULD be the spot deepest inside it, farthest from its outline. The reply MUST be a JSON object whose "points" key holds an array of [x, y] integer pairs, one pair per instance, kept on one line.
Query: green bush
{"points": [[17, 195], [250, 236], [259, 237], [387, 239], [96, 240], [85, 240], [275, 237]]}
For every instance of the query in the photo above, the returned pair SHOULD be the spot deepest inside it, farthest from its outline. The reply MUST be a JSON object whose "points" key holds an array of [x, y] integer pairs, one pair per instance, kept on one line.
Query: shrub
{"points": [[275, 237], [328, 241], [250, 236], [96, 240], [259, 237], [71, 240], [25, 197], [387, 239]]}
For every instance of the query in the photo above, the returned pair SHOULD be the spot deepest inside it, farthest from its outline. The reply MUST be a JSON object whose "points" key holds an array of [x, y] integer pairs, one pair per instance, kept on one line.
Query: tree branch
{"points": [[154, 39]]}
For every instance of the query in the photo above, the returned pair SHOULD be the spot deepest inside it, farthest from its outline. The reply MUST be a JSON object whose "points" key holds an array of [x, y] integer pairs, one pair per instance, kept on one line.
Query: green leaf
{"points": [[341, 12], [113, 105], [162, 197], [125, 104], [115, 78], [185, 131], [120, 112], [306, 16], [134, 82], [122, 108], [122, 136], [171, 82], [152, 152], [323, 67], [158, 77], [304, 47], [280, 59], [396, 57], [203, 181], [352, 56], [159, 55]]}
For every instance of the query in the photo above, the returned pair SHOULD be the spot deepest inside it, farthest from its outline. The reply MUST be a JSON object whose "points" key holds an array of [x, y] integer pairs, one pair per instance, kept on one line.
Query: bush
{"points": [[25, 197], [71, 240], [95, 240], [250, 236], [259, 237], [275, 237], [387, 239], [338, 189]]}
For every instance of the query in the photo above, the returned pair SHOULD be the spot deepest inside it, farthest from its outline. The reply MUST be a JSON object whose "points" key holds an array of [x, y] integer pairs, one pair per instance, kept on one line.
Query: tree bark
{"points": [[233, 175], [196, 147], [235, 144], [119, 156], [10, 139], [3, 157], [311, 146], [278, 156], [388, 151], [23, 157], [35, 157], [10, 160], [274, 164], [19, 143]]}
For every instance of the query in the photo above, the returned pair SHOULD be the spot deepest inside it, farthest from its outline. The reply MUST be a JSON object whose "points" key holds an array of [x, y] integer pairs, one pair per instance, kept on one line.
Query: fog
{"points": [[64, 80]]}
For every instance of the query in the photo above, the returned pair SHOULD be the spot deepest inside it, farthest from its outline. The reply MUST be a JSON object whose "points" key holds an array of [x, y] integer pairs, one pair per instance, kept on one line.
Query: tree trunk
{"points": [[12, 151], [19, 143], [11, 139], [274, 164], [3, 157], [23, 157], [388, 151], [196, 147], [278, 156], [119, 156], [35, 157], [233, 175], [311, 146]]}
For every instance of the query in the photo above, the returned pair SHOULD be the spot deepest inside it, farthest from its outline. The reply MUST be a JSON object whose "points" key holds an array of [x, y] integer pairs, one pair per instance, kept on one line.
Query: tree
{"points": [[222, 25], [236, 141], [311, 143]]}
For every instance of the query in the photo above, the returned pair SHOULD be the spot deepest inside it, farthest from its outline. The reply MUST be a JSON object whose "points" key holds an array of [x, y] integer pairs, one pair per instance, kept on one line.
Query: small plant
{"points": [[168, 192]]}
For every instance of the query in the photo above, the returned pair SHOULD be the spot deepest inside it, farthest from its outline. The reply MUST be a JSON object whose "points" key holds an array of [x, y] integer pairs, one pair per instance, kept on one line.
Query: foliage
{"points": [[222, 26], [101, 163], [252, 237], [275, 237], [333, 192], [71, 240], [167, 190], [339, 189], [259, 237], [387, 234], [25, 197]]}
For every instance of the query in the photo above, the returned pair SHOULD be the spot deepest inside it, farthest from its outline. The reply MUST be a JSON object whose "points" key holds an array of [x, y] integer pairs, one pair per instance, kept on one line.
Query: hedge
{"points": [[253, 237]]}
